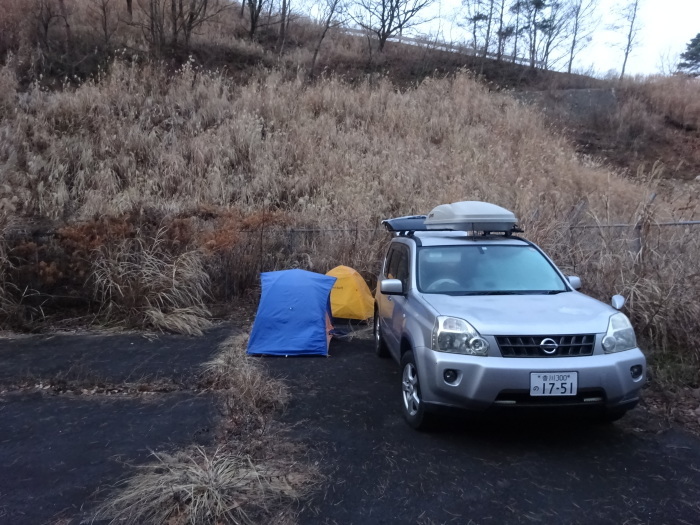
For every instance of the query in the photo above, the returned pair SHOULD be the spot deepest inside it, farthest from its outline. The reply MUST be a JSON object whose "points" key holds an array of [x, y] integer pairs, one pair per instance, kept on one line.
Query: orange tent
{"points": [[350, 296]]}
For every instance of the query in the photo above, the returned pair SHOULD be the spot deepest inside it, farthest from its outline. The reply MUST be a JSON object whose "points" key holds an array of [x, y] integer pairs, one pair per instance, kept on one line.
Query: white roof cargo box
{"points": [[471, 216]]}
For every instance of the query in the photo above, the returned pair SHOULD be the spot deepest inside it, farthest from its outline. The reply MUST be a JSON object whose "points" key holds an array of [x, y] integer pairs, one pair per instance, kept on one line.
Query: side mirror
{"points": [[617, 302], [575, 282], [391, 287]]}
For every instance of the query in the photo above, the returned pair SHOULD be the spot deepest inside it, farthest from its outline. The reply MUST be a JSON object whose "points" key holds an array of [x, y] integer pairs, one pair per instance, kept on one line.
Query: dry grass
{"points": [[198, 487], [675, 97], [197, 150], [246, 390], [139, 279]]}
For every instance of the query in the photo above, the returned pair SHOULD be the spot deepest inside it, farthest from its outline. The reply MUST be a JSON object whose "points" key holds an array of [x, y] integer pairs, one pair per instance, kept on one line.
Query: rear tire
{"points": [[412, 405], [379, 345]]}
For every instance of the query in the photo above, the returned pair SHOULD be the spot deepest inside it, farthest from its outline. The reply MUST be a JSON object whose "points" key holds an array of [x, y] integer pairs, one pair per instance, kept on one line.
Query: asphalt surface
{"points": [[62, 448], [63, 445], [472, 470]]}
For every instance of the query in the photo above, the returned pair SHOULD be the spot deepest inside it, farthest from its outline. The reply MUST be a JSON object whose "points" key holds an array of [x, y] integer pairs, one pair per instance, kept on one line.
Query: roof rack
{"points": [[466, 216]]}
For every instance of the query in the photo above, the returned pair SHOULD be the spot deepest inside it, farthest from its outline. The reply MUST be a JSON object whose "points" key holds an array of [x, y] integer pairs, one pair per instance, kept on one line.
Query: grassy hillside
{"points": [[145, 192]]}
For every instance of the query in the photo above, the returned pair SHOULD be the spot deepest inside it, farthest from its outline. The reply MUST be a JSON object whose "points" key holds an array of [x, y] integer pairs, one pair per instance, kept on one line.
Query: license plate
{"points": [[553, 383]]}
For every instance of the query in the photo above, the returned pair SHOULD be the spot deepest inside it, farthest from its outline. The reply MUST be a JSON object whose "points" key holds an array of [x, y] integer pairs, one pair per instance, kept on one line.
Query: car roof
{"points": [[455, 238]]}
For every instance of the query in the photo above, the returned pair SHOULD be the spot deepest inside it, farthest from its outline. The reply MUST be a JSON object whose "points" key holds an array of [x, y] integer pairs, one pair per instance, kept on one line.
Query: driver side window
{"points": [[402, 267], [397, 265]]}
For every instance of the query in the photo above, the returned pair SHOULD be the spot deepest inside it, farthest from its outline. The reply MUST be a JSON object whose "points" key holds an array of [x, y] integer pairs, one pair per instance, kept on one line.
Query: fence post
{"points": [[638, 239], [262, 229], [291, 244]]}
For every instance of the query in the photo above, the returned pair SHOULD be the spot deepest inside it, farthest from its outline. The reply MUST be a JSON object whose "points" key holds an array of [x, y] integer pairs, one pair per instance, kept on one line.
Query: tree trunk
{"points": [[382, 40], [489, 23], [283, 25], [174, 23], [517, 33], [630, 36], [130, 9], [318, 48], [501, 39], [66, 23]]}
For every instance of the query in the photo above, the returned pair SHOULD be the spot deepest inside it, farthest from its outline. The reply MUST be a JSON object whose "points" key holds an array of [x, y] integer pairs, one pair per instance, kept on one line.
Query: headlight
{"points": [[457, 336], [620, 335]]}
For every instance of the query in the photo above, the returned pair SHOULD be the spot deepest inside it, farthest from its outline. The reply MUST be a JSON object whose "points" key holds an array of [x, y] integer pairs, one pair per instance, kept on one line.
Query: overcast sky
{"points": [[666, 27]]}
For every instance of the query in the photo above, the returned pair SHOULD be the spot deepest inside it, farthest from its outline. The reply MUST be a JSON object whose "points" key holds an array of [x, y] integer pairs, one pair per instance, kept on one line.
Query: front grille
{"points": [[531, 346]]}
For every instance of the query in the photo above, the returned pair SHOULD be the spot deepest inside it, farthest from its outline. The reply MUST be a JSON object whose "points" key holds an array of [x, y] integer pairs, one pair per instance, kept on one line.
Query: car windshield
{"points": [[486, 270]]}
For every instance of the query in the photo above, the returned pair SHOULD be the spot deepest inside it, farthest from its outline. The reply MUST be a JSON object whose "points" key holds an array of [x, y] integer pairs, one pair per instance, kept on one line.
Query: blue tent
{"points": [[293, 315]]}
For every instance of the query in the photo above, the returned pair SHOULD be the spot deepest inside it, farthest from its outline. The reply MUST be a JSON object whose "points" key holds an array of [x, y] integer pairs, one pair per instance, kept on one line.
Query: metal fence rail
{"points": [[445, 46]]}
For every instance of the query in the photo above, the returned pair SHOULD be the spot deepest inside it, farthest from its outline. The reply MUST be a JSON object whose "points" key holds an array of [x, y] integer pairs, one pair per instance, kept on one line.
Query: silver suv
{"points": [[481, 319]]}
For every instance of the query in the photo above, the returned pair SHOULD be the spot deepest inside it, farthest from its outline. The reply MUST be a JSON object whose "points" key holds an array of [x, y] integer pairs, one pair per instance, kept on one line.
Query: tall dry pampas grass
{"points": [[192, 145], [676, 97], [140, 280]]}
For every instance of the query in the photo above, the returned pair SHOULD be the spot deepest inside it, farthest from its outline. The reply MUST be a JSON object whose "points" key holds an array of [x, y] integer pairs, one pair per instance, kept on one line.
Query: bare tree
{"points": [[531, 10], [153, 23], [474, 18], [286, 18], [255, 7], [503, 32], [582, 24], [66, 22], [191, 15], [488, 14], [108, 22], [552, 27], [332, 15], [45, 13], [181, 18], [130, 9], [386, 18], [516, 9], [630, 23], [284, 14], [481, 22]]}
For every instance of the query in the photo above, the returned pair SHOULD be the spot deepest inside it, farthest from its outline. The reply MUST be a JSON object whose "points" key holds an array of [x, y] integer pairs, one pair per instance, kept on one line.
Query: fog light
{"points": [[450, 376], [636, 371]]}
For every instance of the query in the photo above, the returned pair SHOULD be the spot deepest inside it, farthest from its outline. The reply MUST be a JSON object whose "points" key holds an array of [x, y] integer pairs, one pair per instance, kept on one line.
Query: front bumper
{"points": [[486, 382]]}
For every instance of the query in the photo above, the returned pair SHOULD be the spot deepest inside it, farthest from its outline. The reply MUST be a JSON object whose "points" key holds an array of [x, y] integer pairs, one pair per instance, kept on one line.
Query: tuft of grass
{"points": [[247, 391], [198, 487], [140, 279]]}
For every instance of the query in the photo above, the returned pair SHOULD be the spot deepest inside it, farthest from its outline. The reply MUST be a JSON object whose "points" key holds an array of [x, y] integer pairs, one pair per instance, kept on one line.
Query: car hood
{"points": [[561, 314]]}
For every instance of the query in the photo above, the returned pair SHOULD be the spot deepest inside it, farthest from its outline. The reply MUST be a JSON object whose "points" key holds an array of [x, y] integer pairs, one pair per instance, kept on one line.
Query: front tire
{"points": [[379, 345], [413, 407]]}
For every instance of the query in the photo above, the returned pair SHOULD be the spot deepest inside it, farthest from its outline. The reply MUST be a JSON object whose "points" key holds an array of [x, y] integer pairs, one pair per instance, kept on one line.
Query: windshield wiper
{"points": [[510, 292], [497, 292]]}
